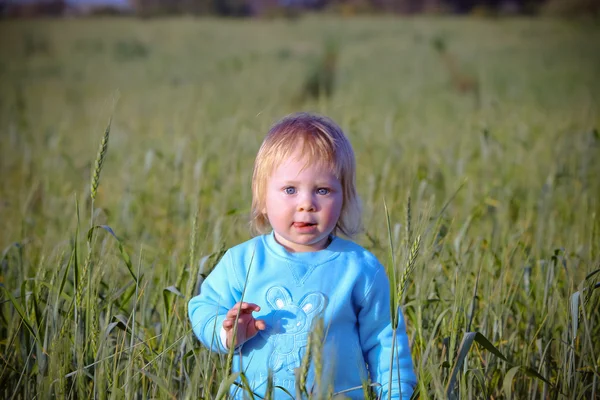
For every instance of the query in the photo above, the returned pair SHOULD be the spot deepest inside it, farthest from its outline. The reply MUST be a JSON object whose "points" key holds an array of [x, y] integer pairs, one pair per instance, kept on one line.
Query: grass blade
{"points": [[21, 312], [507, 383], [225, 385], [124, 254], [463, 351], [160, 382]]}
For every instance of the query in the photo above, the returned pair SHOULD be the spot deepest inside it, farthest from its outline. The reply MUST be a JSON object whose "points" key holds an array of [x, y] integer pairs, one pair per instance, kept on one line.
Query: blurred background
{"points": [[128, 131]]}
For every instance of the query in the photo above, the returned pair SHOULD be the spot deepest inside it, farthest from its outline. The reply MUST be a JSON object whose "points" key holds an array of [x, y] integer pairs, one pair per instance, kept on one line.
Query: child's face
{"points": [[303, 204]]}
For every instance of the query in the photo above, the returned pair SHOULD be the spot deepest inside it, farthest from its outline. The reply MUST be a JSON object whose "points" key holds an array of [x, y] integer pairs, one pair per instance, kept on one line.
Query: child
{"points": [[303, 189]]}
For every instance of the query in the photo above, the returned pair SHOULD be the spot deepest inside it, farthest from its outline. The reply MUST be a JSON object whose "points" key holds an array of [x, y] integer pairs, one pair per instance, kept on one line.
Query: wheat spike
{"points": [[410, 266], [63, 370], [82, 280], [329, 394], [99, 161], [304, 368], [94, 331], [317, 351], [408, 222]]}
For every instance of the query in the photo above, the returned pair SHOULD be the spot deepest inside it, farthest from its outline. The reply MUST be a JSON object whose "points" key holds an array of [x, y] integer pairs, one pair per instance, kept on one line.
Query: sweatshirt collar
{"points": [[312, 257]]}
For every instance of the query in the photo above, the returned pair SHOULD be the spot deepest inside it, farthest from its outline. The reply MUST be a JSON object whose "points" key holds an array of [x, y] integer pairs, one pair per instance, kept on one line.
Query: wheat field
{"points": [[126, 151]]}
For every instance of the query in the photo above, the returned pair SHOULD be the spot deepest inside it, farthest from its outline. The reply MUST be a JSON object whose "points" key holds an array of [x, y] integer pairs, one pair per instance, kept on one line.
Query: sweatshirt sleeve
{"points": [[218, 293], [376, 337]]}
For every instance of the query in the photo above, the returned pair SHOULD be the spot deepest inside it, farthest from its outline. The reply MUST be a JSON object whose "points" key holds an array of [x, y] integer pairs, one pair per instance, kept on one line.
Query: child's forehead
{"points": [[302, 149], [300, 157], [299, 153]]}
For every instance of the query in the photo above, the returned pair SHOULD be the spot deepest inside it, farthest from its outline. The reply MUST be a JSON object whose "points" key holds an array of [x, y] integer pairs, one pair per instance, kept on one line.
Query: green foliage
{"points": [[35, 44], [128, 50], [320, 81], [490, 230]]}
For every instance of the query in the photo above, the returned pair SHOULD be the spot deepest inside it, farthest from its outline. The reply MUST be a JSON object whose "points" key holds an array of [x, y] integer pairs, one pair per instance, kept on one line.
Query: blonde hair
{"points": [[323, 142]]}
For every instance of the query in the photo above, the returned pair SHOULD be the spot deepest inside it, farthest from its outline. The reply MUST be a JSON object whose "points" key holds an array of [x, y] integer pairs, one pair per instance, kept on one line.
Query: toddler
{"points": [[299, 269]]}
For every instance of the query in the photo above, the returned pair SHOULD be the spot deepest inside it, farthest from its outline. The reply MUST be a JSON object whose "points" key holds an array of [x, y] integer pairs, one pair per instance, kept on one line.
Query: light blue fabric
{"points": [[344, 283]]}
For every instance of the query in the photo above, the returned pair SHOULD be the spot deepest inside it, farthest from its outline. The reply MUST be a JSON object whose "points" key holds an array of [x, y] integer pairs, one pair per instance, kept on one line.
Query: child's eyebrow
{"points": [[326, 182], [290, 183]]}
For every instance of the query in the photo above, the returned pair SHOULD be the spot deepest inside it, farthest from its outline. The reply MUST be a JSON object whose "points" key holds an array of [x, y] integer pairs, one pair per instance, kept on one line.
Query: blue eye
{"points": [[323, 191], [290, 190]]}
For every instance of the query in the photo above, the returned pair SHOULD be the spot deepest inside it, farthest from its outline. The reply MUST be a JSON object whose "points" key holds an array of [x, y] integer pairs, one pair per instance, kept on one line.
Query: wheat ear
{"points": [[408, 222], [410, 266], [304, 368], [318, 333], [99, 161]]}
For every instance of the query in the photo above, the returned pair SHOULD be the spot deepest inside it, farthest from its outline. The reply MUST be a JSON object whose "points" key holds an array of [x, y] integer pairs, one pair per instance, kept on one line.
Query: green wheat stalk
{"points": [[398, 291], [93, 191], [84, 276]]}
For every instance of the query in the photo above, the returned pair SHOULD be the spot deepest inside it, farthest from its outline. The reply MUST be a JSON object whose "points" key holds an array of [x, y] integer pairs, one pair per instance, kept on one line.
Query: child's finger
{"points": [[246, 308], [250, 307], [233, 311], [260, 324], [228, 324]]}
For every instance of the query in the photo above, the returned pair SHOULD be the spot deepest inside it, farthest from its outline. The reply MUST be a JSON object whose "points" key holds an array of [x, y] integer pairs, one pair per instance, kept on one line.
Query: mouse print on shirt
{"points": [[288, 325]]}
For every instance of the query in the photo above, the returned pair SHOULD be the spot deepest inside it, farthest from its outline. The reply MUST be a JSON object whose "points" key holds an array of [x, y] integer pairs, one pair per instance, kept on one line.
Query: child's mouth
{"points": [[303, 224]]}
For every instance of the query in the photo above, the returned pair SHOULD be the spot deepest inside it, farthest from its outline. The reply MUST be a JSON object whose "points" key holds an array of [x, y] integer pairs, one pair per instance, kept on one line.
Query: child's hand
{"points": [[247, 327]]}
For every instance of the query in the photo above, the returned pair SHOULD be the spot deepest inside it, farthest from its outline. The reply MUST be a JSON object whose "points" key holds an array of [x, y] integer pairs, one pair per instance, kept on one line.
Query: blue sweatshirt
{"points": [[344, 283]]}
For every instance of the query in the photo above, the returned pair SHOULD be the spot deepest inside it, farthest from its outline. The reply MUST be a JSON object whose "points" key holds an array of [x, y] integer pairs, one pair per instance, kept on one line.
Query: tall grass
{"points": [[494, 258]]}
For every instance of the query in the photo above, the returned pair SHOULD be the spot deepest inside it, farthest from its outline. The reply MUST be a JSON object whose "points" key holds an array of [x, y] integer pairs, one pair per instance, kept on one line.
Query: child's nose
{"points": [[306, 203]]}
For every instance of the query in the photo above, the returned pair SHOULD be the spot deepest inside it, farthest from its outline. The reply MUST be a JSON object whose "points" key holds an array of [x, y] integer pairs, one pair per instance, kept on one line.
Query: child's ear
{"points": [[263, 209]]}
